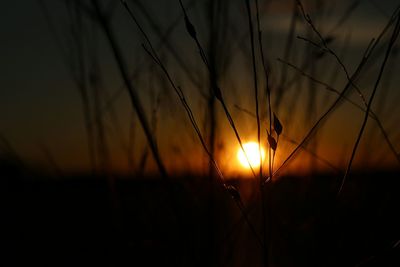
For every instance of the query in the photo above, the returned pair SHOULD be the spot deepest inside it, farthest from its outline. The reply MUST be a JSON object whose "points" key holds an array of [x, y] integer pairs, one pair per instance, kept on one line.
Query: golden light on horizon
{"points": [[252, 151]]}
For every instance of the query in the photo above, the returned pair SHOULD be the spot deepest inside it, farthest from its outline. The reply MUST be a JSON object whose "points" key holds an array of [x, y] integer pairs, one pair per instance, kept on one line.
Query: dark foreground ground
{"points": [[75, 221]]}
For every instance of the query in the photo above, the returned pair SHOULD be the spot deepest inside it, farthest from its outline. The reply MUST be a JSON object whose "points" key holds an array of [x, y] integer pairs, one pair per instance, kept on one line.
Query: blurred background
{"points": [[62, 94], [111, 128]]}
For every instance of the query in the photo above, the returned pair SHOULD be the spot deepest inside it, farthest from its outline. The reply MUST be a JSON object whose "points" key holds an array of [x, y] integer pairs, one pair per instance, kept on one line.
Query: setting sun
{"points": [[253, 155]]}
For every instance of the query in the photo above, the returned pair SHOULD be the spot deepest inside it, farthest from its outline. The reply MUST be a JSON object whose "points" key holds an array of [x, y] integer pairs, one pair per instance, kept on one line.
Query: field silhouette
{"points": [[168, 94]]}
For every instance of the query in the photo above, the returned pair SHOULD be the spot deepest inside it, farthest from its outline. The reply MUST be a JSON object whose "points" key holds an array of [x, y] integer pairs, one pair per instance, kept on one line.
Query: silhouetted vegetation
{"points": [[199, 80]]}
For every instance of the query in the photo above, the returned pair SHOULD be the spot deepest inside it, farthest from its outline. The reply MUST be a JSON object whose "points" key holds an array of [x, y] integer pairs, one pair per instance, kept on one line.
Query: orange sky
{"points": [[41, 109]]}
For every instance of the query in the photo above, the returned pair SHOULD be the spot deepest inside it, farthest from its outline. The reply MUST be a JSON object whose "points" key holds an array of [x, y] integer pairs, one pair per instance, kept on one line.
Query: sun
{"points": [[253, 155]]}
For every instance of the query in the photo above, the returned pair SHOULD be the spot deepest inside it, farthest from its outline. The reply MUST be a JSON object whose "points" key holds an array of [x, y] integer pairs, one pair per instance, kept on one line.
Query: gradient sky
{"points": [[41, 111]]}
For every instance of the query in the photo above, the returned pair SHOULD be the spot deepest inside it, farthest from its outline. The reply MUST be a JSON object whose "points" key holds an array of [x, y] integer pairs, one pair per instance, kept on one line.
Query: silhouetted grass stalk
{"points": [[234, 193], [255, 82], [329, 88], [289, 139], [287, 53], [217, 91], [268, 91], [325, 47], [104, 23], [365, 58], [393, 39]]}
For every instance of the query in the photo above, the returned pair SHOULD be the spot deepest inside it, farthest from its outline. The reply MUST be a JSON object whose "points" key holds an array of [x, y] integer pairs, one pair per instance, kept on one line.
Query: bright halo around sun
{"points": [[253, 155]]}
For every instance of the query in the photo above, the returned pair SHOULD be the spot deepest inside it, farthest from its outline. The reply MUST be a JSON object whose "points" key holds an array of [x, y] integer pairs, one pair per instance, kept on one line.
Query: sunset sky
{"points": [[41, 113]]}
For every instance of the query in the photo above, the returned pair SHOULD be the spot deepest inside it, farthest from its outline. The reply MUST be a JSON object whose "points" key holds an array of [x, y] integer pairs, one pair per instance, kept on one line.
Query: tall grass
{"points": [[273, 105]]}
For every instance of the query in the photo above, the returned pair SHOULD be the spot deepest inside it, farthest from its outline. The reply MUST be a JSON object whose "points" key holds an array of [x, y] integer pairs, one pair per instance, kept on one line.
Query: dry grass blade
{"points": [[372, 114], [255, 80], [267, 79], [153, 54], [325, 115], [165, 41], [325, 46], [217, 90], [304, 148], [131, 90], [287, 55], [371, 47], [265, 210], [364, 123]]}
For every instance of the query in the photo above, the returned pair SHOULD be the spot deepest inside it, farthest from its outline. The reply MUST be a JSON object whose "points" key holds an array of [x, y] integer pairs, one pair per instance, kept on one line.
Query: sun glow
{"points": [[252, 151]]}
